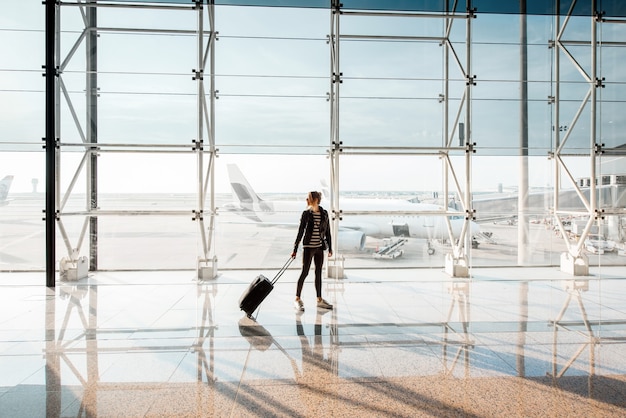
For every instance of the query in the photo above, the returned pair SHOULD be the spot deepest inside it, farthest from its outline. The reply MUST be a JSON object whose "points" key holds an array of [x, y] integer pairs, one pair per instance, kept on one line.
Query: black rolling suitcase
{"points": [[258, 290]]}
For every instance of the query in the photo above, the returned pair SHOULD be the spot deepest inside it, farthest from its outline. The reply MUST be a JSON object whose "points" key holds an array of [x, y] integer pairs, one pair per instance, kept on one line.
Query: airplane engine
{"points": [[351, 241]]}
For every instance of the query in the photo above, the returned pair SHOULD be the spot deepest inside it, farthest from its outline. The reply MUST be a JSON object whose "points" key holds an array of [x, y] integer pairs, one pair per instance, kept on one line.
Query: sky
{"points": [[272, 99]]}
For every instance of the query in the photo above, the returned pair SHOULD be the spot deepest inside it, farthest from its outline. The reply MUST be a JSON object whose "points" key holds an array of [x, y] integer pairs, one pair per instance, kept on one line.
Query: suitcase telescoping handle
{"points": [[282, 270]]}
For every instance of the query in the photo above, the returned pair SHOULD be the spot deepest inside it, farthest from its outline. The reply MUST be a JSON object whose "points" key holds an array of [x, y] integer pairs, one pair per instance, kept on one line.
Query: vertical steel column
{"points": [[522, 197], [446, 107], [200, 101], [557, 109], [91, 42], [211, 128], [468, 131], [206, 267], [594, 147], [51, 82], [335, 143]]}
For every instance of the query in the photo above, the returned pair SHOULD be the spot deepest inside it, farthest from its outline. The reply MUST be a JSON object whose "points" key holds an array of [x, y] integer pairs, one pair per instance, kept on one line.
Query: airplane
{"points": [[5, 185], [353, 230]]}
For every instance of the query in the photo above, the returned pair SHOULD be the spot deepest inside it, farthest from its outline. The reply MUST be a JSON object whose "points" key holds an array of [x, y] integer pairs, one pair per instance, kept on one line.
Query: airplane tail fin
{"points": [[5, 185], [244, 193], [325, 189]]}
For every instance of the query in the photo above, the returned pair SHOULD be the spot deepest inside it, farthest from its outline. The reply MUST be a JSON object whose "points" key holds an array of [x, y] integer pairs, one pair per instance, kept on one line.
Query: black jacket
{"points": [[306, 229]]}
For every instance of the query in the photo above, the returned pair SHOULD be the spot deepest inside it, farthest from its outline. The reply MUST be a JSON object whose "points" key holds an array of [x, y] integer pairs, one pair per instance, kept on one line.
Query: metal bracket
{"points": [[198, 74], [598, 16], [57, 73], [337, 214], [197, 215], [198, 145], [336, 7], [600, 82], [470, 147], [56, 215], [337, 78], [470, 214], [470, 80], [598, 148], [599, 214], [337, 146], [57, 143]]}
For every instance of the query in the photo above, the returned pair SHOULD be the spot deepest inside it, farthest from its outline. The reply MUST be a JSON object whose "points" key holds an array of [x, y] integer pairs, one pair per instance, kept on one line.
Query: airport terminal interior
{"points": [[156, 157]]}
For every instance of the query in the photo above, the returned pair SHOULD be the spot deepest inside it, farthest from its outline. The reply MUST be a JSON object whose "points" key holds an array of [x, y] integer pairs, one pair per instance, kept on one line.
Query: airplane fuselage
{"points": [[377, 218]]}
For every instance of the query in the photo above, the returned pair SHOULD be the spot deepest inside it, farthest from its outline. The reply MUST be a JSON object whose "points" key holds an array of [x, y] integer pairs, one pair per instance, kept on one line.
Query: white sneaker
{"points": [[323, 304], [299, 305]]}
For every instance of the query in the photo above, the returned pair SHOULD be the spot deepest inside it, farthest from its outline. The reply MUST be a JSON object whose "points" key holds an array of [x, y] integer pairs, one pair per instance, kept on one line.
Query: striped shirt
{"points": [[316, 238]]}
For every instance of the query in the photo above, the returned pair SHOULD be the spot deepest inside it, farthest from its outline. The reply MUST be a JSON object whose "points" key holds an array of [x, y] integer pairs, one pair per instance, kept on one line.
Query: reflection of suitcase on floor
{"points": [[258, 290]]}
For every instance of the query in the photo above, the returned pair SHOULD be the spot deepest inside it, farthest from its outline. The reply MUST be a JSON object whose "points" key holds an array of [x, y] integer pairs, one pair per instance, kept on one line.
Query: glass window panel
{"points": [[272, 57], [131, 111], [611, 32], [492, 62], [417, 186], [611, 62], [390, 89], [134, 174], [361, 173], [262, 125], [400, 123], [496, 62], [21, 84], [147, 119], [495, 200], [578, 135], [252, 233], [578, 28], [137, 53], [391, 26], [503, 29], [539, 63], [571, 71], [540, 128], [613, 126], [147, 242], [269, 22], [21, 119], [13, 43], [375, 59], [22, 182], [146, 18], [499, 133]]}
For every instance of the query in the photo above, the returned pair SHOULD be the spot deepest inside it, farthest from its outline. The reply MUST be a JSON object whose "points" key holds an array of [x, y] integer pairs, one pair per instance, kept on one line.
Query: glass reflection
{"points": [[456, 334], [581, 327]]}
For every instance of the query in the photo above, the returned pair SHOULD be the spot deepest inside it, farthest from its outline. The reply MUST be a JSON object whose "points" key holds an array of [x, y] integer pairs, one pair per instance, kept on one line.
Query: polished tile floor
{"points": [[400, 342]]}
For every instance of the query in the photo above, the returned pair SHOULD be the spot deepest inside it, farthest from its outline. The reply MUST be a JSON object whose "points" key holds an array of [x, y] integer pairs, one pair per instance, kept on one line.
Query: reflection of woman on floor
{"points": [[315, 368]]}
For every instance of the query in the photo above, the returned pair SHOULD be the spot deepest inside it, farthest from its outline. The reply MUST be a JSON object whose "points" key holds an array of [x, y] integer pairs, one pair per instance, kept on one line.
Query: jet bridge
{"points": [[391, 249]]}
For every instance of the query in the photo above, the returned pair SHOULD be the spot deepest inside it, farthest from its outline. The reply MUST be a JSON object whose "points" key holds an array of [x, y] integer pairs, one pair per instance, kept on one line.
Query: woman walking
{"points": [[315, 228]]}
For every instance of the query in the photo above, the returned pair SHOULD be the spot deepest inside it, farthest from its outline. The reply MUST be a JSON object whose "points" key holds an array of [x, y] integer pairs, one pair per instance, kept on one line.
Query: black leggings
{"points": [[317, 255]]}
